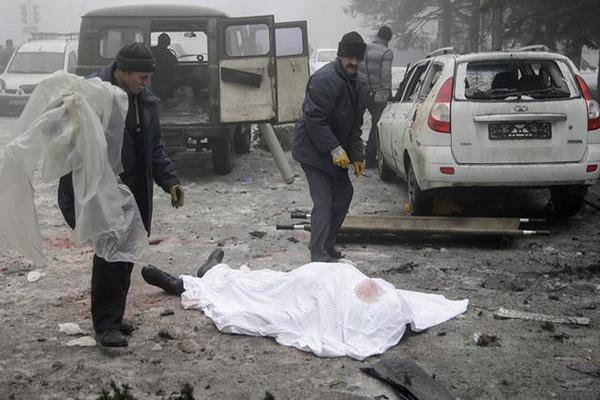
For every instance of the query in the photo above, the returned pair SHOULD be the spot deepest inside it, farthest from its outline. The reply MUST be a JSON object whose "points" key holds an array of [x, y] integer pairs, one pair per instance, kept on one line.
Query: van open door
{"points": [[292, 68], [246, 69]]}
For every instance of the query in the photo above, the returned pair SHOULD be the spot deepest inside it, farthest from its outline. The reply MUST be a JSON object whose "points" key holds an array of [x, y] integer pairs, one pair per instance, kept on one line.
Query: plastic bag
{"points": [[72, 124]]}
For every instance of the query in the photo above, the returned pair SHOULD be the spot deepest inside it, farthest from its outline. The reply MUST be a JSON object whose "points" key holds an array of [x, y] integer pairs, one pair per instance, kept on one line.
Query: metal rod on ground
{"points": [[267, 132]]}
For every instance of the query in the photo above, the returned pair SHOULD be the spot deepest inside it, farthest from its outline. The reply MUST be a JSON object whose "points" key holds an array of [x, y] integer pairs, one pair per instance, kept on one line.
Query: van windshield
{"points": [[518, 79], [36, 63]]}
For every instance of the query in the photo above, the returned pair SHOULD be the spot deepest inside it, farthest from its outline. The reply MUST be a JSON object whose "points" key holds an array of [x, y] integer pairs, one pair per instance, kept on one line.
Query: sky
{"points": [[326, 20]]}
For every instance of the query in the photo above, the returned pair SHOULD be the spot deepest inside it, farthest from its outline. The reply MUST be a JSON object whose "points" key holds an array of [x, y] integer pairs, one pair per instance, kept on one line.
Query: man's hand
{"points": [[359, 167], [339, 157], [177, 196]]}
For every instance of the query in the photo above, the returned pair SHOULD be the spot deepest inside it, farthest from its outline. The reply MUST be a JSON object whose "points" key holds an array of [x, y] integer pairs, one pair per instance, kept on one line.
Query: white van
{"points": [[31, 63]]}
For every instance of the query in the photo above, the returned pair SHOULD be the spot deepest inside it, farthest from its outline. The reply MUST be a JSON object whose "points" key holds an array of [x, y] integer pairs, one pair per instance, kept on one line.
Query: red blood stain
{"points": [[61, 243]]}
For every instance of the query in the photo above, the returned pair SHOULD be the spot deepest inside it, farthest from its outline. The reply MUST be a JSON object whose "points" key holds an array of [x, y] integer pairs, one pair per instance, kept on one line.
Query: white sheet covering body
{"points": [[72, 124], [329, 309]]}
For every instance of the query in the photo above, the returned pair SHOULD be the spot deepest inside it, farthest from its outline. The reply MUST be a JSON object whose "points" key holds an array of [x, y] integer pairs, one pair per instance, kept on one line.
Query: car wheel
{"points": [[567, 201], [420, 203], [243, 139], [222, 154], [385, 173]]}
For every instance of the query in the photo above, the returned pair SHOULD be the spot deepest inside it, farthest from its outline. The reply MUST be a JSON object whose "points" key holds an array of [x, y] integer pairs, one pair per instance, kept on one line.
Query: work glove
{"points": [[339, 157], [359, 167], [177, 196]]}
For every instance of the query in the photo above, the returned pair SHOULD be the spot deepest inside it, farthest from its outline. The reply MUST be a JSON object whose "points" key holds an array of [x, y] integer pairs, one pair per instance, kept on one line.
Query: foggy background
{"points": [[327, 21]]}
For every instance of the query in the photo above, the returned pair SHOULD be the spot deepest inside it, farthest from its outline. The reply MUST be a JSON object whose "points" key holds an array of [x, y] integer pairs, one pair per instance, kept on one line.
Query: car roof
{"points": [[50, 46], [508, 55], [155, 11]]}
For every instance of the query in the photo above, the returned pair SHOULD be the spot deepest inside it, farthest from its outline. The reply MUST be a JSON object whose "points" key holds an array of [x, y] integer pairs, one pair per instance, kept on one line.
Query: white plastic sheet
{"points": [[72, 124], [329, 309]]}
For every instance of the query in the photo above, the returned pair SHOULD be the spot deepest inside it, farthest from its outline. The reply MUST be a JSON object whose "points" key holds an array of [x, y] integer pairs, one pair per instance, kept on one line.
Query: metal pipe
{"points": [[267, 132]]}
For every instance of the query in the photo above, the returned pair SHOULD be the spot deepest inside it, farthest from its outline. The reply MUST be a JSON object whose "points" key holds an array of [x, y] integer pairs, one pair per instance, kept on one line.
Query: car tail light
{"points": [[591, 168], [439, 117], [447, 170], [593, 108]]}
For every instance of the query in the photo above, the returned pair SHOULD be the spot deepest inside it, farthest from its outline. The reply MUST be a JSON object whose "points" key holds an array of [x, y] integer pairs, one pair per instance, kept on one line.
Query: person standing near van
{"points": [[377, 66], [327, 139], [144, 162], [6, 53]]}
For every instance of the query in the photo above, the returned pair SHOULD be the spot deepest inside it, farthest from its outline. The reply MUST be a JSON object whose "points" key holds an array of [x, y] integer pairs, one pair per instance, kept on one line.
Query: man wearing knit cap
{"points": [[377, 67], [144, 162], [327, 139]]}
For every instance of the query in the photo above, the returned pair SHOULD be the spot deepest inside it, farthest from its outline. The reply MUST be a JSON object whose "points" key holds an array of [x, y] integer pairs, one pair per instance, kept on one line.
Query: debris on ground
{"points": [[70, 329], [483, 340], [34, 276], [85, 341], [585, 367], [504, 313], [258, 234]]}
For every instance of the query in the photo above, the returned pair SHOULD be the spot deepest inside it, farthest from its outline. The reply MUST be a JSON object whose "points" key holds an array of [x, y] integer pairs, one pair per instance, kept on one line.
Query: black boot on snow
{"points": [[213, 259], [163, 280]]}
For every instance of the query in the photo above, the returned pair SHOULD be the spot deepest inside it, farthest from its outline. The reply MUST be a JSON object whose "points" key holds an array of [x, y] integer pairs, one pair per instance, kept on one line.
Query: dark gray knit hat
{"points": [[385, 33], [352, 45], [136, 57]]}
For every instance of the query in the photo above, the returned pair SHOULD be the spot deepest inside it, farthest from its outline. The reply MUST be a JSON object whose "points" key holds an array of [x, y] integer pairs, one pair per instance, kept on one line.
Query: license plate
{"points": [[520, 130], [17, 102]]}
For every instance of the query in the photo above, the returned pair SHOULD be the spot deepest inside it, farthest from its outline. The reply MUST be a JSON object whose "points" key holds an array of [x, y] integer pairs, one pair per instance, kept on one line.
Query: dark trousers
{"points": [[110, 284], [331, 197], [375, 109]]}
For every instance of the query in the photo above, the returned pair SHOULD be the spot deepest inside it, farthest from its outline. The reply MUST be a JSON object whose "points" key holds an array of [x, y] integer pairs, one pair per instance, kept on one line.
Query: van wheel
{"points": [[385, 173], [243, 139], [420, 203], [567, 201], [222, 154]]}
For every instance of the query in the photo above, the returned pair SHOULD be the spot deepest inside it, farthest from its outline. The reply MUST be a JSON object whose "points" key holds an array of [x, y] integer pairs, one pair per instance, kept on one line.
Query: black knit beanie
{"points": [[352, 45], [135, 57], [385, 33]]}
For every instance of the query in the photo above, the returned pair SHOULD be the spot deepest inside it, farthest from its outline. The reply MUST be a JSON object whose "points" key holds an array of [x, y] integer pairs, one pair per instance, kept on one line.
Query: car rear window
{"points": [[38, 62], [514, 79]]}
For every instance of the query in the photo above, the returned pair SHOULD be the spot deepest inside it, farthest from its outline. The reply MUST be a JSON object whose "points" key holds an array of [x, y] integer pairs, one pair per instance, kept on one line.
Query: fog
{"points": [[326, 20]]}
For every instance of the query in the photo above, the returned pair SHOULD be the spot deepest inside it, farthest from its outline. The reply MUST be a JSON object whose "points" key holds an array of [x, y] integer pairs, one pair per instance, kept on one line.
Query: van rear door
{"points": [[246, 69], [292, 68], [517, 110]]}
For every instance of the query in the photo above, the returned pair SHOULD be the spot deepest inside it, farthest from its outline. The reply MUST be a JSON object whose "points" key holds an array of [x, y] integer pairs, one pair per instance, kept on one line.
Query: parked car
{"points": [[498, 119], [228, 73], [31, 63], [321, 57]]}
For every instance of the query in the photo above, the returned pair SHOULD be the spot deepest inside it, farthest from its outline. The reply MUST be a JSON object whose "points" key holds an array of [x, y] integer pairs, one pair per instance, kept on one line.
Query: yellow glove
{"points": [[359, 167], [177, 196], [339, 157]]}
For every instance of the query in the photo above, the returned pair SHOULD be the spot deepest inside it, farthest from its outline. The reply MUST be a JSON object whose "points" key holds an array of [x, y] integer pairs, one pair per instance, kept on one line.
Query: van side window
{"points": [[72, 62], [113, 39], [415, 83], [247, 40], [288, 42]]}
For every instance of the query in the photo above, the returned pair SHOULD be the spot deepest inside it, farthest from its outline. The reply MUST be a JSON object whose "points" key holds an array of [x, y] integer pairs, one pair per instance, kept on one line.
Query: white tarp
{"points": [[72, 124], [330, 309]]}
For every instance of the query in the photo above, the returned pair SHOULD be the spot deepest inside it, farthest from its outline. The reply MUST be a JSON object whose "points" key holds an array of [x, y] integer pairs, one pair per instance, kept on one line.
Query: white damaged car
{"points": [[31, 63], [498, 119]]}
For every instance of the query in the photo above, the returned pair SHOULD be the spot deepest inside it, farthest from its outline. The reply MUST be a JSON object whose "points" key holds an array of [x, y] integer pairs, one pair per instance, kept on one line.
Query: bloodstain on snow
{"points": [[61, 243]]}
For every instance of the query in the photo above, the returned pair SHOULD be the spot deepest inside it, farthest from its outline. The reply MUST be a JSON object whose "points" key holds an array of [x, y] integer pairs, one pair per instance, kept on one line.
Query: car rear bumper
{"points": [[432, 158], [12, 104]]}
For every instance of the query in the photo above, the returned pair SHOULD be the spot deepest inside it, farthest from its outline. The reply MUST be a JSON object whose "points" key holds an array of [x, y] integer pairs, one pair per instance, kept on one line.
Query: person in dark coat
{"points": [[377, 66], [144, 162], [327, 139]]}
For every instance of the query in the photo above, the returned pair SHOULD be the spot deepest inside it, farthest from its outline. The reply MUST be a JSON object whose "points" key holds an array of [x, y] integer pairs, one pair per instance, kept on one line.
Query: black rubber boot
{"points": [[112, 338], [213, 259], [163, 280], [126, 327]]}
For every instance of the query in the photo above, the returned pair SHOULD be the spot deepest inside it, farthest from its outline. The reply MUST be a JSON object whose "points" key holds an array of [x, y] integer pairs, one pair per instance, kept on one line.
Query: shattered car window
{"points": [[519, 79]]}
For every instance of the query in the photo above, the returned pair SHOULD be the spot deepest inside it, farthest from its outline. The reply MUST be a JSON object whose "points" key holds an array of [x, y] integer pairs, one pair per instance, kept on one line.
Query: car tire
{"points": [[567, 201], [385, 173], [420, 203], [222, 154], [243, 139]]}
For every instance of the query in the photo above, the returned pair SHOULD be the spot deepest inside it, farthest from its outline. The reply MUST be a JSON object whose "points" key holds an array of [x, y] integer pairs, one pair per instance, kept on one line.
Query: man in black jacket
{"points": [[327, 140], [144, 162]]}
